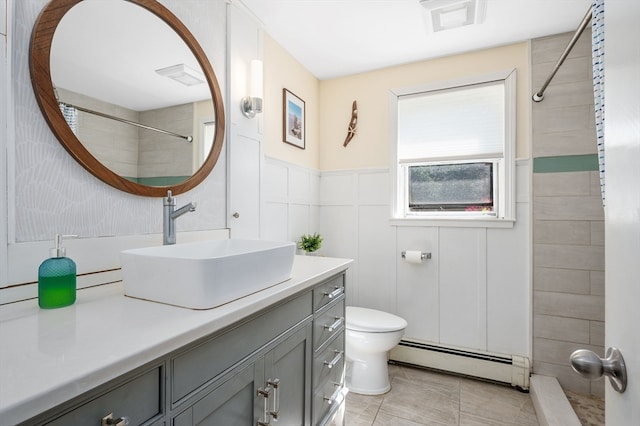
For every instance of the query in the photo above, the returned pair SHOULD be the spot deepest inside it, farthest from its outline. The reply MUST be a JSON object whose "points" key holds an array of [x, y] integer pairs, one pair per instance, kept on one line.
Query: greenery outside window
{"points": [[454, 155], [451, 187]]}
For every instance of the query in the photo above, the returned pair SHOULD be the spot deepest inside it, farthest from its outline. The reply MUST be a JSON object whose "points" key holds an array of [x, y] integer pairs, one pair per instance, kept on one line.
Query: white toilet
{"points": [[370, 334]]}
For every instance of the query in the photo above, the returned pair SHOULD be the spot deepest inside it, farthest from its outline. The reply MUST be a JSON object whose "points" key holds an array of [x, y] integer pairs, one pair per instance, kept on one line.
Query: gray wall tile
{"points": [[561, 280], [562, 232], [569, 305], [596, 333], [568, 227], [558, 352], [550, 120], [597, 283], [575, 142], [569, 257], [558, 184], [573, 70], [595, 184], [549, 49], [571, 93], [597, 233], [568, 208], [559, 328]]}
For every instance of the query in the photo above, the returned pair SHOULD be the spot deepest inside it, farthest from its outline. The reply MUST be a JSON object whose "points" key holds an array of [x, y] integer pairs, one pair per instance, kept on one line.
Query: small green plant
{"points": [[310, 243]]}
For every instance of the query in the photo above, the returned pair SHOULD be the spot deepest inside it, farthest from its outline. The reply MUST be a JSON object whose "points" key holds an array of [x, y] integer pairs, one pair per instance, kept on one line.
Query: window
{"points": [[203, 143], [455, 149], [208, 134], [451, 187]]}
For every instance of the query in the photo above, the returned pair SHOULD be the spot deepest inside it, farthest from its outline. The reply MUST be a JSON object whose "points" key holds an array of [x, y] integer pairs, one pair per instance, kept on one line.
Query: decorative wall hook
{"points": [[351, 131]]}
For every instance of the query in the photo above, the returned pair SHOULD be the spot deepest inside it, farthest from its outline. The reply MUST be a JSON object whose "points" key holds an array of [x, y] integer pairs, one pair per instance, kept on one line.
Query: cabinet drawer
{"points": [[329, 361], [203, 363], [328, 292], [326, 398], [140, 400], [327, 324], [328, 393]]}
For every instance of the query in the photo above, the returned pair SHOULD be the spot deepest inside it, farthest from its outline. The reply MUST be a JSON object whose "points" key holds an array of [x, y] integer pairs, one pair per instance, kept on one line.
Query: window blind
{"points": [[455, 124]]}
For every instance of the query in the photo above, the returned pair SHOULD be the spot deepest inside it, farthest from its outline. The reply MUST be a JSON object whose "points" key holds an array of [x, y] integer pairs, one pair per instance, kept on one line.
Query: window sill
{"points": [[453, 222]]}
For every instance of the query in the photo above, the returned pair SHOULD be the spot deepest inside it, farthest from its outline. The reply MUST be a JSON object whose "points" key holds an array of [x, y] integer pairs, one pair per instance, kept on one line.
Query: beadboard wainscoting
{"points": [[474, 292], [289, 201], [484, 305]]}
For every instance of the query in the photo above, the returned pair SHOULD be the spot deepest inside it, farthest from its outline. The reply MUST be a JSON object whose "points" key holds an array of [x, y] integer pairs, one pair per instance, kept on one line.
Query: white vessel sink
{"points": [[205, 274]]}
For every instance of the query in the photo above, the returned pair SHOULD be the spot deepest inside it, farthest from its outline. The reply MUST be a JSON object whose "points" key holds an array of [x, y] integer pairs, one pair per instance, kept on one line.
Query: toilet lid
{"points": [[372, 321]]}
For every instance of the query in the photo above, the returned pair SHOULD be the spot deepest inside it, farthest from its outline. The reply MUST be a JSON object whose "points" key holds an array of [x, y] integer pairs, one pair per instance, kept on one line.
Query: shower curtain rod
{"points": [[132, 123], [539, 95]]}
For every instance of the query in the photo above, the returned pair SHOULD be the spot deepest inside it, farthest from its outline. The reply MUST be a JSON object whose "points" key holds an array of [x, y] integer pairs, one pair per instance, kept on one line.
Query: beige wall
{"points": [[328, 104], [281, 71], [370, 146]]}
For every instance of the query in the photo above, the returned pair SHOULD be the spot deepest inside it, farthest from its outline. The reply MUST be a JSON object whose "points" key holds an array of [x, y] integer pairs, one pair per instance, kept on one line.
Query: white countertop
{"points": [[50, 356]]}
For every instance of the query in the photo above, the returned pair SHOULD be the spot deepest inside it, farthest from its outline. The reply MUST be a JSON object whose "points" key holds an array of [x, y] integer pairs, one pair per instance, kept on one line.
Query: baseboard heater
{"points": [[511, 369]]}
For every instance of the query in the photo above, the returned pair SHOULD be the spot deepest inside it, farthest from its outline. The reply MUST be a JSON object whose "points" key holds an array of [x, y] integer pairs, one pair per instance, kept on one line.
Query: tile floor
{"points": [[423, 397], [588, 408]]}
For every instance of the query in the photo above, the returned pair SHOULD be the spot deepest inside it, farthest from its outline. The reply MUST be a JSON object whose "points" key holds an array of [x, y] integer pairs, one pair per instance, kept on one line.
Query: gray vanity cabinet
{"points": [[282, 365], [271, 386], [328, 349], [136, 397], [290, 363], [233, 402]]}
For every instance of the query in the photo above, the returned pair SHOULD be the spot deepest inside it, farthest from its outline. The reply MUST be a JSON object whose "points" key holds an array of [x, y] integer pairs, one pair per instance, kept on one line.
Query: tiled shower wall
{"points": [[568, 217]]}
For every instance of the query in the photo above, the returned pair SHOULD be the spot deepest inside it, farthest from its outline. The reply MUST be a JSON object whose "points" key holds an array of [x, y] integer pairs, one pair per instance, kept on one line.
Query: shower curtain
{"points": [[597, 43], [70, 115]]}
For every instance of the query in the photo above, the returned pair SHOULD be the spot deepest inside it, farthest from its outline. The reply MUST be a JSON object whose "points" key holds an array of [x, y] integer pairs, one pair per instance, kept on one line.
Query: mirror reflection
{"points": [[132, 92], [140, 105]]}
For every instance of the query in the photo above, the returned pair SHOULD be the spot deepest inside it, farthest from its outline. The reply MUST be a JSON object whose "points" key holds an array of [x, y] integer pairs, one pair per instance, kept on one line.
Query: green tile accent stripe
{"points": [[566, 163]]}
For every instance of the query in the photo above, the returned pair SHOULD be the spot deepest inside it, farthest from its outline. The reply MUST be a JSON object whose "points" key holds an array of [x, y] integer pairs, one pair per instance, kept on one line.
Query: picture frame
{"points": [[293, 119]]}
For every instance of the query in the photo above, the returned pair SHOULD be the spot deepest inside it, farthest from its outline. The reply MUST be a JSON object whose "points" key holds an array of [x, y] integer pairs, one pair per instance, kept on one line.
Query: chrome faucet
{"points": [[169, 216]]}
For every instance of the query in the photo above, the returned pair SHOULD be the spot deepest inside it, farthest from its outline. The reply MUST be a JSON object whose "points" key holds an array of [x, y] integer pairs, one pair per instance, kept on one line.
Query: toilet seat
{"points": [[372, 321]]}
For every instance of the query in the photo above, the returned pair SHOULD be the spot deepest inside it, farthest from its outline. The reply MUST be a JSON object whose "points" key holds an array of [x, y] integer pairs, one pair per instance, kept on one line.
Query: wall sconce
{"points": [[252, 104]]}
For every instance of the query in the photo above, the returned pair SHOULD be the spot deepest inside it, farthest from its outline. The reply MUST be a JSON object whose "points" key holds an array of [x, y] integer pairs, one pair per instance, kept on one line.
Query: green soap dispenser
{"points": [[57, 278]]}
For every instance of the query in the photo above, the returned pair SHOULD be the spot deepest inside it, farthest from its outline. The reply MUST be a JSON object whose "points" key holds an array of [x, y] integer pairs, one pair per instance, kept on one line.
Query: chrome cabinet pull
{"points": [[588, 364], [335, 360], [108, 420], [265, 420], [337, 323], [334, 396], [275, 411], [335, 293]]}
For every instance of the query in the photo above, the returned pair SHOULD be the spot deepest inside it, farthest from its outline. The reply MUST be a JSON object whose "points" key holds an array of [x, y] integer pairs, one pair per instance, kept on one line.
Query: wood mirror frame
{"points": [[39, 65]]}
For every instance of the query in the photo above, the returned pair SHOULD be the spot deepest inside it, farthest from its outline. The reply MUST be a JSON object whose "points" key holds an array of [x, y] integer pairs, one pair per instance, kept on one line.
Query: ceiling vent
{"points": [[447, 14], [183, 74]]}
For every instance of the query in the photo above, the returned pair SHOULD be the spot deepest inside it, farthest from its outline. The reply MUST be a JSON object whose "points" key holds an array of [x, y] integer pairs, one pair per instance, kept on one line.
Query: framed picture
{"points": [[293, 119]]}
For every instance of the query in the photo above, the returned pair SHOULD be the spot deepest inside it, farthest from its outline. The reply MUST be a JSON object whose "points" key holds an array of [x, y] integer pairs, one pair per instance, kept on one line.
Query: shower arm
{"points": [[131, 123], [539, 95]]}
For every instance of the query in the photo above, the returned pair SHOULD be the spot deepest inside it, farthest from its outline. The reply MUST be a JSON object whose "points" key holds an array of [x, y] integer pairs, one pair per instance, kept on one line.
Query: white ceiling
{"points": [[333, 38]]}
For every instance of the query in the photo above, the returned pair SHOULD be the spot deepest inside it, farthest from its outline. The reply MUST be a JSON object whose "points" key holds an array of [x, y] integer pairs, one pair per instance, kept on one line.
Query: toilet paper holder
{"points": [[423, 255]]}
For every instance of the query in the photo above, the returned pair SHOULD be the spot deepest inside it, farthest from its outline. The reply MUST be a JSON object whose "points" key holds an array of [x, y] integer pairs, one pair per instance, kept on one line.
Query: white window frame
{"points": [[505, 199], [403, 184]]}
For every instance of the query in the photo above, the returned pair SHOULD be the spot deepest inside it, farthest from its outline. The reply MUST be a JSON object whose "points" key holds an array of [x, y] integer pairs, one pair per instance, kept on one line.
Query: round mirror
{"points": [[129, 93]]}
